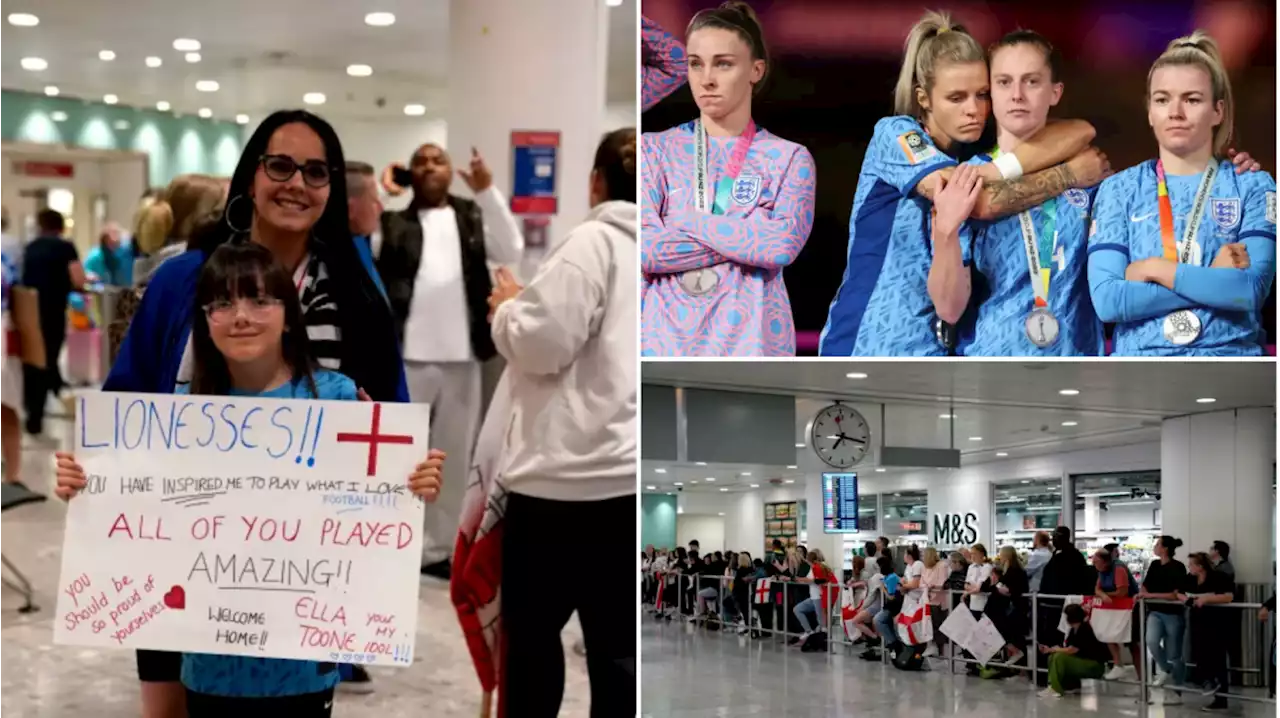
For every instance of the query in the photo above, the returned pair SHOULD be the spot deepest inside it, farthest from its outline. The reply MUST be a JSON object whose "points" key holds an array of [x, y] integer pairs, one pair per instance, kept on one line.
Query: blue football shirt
{"points": [[1007, 297], [247, 676], [883, 307], [1228, 301]]}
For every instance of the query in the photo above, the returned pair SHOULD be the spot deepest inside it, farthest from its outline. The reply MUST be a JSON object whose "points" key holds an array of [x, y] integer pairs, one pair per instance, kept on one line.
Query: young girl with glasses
{"points": [[286, 196], [249, 339]]}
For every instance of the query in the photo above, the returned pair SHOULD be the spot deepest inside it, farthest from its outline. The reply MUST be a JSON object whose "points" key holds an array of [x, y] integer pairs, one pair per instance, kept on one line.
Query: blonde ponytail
{"points": [[152, 226], [933, 40], [1200, 49]]}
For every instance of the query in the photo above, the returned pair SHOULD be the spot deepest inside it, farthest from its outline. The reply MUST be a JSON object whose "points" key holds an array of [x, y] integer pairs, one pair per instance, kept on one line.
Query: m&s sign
{"points": [[955, 529]]}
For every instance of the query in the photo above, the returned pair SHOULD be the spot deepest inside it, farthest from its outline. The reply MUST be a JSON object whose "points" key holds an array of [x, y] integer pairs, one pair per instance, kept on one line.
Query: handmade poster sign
{"points": [[959, 626], [985, 641], [244, 526]]}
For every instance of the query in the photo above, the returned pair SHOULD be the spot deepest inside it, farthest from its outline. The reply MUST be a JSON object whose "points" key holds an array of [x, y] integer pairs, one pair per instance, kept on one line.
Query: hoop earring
{"points": [[226, 215]]}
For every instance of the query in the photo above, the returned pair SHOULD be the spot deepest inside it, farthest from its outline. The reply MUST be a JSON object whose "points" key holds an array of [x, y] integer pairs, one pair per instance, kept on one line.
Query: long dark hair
{"points": [[368, 352], [244, 270], [616, 163]]}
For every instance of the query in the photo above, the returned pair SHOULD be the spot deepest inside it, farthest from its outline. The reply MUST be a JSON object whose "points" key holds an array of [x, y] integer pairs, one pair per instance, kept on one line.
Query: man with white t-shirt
{"points": [[434, 259]]}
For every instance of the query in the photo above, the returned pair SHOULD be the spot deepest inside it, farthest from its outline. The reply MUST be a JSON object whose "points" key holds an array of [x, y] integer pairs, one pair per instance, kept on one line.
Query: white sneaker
{"points": [[1115, 674], [931, 650], [1160, 679], [1050, 693]]}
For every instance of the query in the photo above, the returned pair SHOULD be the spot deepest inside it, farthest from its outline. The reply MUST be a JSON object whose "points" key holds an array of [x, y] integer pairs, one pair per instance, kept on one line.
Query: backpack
{"points": [[814, 643], [908, 658]]}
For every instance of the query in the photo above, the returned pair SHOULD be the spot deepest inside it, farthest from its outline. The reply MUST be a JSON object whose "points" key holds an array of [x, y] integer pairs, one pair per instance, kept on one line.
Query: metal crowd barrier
{"points": [[1250, 676]]}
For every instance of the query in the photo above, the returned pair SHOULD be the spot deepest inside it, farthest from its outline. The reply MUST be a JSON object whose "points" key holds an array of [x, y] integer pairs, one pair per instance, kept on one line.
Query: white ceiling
{"points": [[265, 55], [1015, 408]]}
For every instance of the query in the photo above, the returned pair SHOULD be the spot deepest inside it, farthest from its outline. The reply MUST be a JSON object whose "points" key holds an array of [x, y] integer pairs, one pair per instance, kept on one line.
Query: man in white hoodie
{"points": [[569, 451]]}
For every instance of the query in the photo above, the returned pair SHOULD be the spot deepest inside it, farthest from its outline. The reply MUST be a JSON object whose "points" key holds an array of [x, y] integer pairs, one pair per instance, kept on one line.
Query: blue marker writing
{"points": [[303, 445], [315, 441]]}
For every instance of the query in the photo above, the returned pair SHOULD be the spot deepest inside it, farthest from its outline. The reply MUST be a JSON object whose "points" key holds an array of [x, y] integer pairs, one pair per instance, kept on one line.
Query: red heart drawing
{"points": [[176, 598]]}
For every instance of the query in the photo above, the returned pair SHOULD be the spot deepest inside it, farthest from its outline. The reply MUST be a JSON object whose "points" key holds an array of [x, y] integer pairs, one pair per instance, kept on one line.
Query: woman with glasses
{"points": [[289, 195]]}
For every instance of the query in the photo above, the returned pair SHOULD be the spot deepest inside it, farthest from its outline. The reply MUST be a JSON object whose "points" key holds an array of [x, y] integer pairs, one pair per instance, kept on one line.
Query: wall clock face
{"points": [[840, 436]]}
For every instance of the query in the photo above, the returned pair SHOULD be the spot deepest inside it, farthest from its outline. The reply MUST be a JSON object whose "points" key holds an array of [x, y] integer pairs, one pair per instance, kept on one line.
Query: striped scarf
{"points": [[320, 314]]}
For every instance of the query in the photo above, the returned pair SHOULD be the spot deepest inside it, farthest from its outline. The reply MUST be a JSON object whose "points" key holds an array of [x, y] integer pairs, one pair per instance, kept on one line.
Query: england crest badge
{"points": [[746, 189], [1077, 198], [1225, 212]]}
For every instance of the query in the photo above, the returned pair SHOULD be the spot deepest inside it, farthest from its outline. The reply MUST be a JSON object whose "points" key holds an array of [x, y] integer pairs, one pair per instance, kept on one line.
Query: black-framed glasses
{"points": [[280, 168]]}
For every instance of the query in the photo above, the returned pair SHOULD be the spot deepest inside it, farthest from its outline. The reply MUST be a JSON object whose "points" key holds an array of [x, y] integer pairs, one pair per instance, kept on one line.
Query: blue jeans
{"points": [[884, 625], [1167, 627], [803, 610]]}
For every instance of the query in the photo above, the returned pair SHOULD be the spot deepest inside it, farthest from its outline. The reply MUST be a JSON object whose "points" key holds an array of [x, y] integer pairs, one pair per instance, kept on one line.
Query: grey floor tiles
{"points": [[694, 674]]}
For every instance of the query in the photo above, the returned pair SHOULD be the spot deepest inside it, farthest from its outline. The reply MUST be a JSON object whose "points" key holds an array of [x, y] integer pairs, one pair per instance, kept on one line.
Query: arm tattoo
{"points": [[1009, 197]]}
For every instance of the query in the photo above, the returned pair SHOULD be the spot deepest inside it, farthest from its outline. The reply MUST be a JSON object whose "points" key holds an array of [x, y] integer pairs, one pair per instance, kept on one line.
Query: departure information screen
{"points": [[840, 503]]}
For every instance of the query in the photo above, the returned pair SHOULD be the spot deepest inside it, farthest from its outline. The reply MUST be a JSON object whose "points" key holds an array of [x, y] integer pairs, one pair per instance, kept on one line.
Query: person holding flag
{"points": [[1182, 250]]}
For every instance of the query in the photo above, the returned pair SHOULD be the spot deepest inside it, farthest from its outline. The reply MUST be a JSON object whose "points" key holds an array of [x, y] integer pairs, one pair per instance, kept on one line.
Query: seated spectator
{"points": [[1080, 656], [737, 604], [810, 612], [712, 582], [872, 582], [890, 603]]}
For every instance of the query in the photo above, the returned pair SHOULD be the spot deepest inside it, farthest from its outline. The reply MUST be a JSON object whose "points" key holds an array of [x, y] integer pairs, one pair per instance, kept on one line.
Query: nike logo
{"points": [[1136, 218], [328, 705]]}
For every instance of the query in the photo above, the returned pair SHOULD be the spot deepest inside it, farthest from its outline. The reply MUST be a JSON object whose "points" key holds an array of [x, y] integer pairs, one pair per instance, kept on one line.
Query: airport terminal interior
{"points": [[103, 100], [738, 455]]}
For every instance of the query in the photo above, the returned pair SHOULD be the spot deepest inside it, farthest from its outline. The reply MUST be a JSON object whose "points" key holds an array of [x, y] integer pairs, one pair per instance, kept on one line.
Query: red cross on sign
{"points": [[373, 438]]}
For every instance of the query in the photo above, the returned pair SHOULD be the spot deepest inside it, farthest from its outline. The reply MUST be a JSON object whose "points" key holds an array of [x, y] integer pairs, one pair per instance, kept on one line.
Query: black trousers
{"points": [[537, 603], [310, 705], [1209, 646], [765, 611], [36, 387]]}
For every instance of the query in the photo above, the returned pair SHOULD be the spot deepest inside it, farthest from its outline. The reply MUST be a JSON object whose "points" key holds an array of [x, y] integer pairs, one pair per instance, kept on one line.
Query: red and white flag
{"points": [[915, 621], [1111, 621], [762, 590], [476, 583]]}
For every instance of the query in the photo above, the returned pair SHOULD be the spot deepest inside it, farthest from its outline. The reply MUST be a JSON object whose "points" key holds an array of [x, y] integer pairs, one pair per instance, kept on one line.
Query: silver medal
{"points": [[1181, 327], [1042, 327], [697, 282]]}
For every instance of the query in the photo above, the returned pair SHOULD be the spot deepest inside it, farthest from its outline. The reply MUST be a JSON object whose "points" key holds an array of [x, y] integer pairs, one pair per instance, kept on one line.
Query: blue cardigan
{"points": [[152, 349]]}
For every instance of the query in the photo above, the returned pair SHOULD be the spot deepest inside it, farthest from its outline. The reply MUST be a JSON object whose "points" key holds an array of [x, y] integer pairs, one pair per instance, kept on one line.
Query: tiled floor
{"points": [[694, 674], [41, 680]]}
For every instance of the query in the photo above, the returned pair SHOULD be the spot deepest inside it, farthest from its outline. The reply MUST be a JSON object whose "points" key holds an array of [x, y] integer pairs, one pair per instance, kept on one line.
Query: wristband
{"points": [[1009, 166]]}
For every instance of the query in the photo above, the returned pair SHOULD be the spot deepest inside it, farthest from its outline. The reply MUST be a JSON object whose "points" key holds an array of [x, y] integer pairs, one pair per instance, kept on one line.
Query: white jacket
{"points": [[570, 343]]}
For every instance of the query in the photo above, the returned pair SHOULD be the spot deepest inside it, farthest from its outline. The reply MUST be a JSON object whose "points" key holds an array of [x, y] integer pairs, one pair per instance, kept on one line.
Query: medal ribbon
{"points": [[705, 201], [1040, 248], [1171, 252]]}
